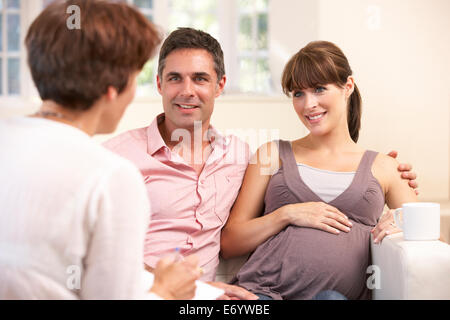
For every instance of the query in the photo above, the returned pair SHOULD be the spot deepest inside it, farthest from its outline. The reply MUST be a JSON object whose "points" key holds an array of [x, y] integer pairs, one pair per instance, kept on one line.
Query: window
{"points": [[198, 14], [146, 6], [10, 47], [241, 26], [146, 80], [252, 42]]}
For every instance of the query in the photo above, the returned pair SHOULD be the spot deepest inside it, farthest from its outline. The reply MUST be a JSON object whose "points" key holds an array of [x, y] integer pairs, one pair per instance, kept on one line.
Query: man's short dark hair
{"points": [[74, 68], [188, 38]]}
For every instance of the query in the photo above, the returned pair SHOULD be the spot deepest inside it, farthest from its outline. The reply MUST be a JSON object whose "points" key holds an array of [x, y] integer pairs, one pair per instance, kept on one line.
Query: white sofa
{"points": [[406, 269], [411, 270]]}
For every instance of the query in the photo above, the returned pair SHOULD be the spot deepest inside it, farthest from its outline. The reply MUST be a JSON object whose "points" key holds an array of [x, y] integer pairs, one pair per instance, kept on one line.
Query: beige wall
{"points": [[400, 60]]}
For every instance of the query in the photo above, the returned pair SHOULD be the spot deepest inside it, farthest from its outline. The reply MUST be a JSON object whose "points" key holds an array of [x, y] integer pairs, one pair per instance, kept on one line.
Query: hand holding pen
{"points": [[179, 257], [175, 277]]}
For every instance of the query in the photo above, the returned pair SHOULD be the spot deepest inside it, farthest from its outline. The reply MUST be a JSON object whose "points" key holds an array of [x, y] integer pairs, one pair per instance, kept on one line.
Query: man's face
{"points": [[188, 87]]}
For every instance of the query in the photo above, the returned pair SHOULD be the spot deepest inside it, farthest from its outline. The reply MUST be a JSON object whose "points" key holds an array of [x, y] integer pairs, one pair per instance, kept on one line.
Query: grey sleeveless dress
{"points": [[299, 262]]}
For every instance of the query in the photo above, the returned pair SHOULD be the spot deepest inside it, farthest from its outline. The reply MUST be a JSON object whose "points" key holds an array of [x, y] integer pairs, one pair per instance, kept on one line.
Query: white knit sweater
{"points": [[73, 216]]}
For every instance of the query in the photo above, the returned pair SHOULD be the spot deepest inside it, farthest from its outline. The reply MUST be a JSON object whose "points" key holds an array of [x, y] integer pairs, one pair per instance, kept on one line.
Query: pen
{"points": [[179, 257]]}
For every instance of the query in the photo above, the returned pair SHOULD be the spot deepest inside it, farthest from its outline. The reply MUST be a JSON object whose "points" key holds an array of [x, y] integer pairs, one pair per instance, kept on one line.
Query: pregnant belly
{"points": [[343, 255], [310, 260]]}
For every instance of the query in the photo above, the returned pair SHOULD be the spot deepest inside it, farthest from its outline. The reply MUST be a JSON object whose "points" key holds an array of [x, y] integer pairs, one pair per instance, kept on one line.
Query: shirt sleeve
{"points": [[113, 264]]}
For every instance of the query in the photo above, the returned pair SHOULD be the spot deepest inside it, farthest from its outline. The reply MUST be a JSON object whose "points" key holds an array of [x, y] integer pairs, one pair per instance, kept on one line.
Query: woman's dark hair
{"points": [[75, 67], [320, 63], [188, 38]]}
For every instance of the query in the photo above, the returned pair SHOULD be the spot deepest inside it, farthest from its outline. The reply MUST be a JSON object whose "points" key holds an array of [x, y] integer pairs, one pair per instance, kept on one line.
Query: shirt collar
{"points": [[154, 139], [216, 139], [155, 142]]}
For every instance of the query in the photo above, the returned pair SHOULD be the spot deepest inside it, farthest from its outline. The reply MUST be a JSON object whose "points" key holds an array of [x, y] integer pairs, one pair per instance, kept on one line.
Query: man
{"points": [[192, 173]]}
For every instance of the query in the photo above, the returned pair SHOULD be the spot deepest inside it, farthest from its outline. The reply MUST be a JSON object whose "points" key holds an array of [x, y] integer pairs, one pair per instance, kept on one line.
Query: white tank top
{"points": [[327, 185]]}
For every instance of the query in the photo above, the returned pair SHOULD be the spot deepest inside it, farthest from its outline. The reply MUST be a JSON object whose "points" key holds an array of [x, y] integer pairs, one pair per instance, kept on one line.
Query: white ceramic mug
{"points": [[421, 220]]}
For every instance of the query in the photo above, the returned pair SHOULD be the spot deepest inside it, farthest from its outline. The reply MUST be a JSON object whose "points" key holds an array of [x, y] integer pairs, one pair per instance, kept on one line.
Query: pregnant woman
{"points": [[320, 196]]}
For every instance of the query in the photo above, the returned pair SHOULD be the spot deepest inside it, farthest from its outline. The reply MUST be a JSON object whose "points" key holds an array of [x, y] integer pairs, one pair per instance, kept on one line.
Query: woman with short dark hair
{"points": [[74, 215]]}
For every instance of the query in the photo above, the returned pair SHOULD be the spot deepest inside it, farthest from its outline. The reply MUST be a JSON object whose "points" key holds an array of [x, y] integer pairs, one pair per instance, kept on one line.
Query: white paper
{"points": [[204, 291]]}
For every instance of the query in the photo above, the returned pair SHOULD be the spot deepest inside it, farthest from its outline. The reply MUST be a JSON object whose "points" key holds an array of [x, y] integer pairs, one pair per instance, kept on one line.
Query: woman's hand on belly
{"points": [[318, 215]]}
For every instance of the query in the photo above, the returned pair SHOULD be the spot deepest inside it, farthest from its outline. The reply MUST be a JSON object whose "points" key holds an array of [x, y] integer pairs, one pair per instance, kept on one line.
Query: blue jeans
{"points": [[323, 295], [263, 297]]}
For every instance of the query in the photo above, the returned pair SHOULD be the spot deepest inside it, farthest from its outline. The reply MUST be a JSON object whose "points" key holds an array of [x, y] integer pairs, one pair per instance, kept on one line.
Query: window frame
{"points": [[28, 94], [254, 53], [5, 55]]}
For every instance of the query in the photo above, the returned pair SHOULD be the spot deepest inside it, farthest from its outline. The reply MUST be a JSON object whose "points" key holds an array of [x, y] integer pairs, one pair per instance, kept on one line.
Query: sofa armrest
{"points": [[411, 269]]}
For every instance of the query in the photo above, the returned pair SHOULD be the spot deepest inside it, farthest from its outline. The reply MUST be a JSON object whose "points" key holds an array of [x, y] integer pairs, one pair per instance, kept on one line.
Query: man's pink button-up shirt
{"points": [[187, 211]]}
